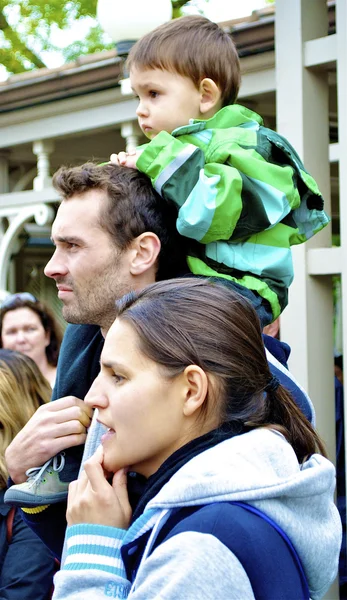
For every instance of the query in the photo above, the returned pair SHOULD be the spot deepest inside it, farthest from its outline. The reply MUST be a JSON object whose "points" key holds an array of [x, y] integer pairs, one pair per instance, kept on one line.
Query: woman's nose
{"points": [[96, 396], [20, 336]]}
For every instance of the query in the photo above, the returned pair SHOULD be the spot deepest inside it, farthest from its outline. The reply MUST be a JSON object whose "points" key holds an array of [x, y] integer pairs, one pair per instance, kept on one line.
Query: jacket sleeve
{"points": [[49, 525], [222, 192], [93, 567], [28, 567], [189, 565]]}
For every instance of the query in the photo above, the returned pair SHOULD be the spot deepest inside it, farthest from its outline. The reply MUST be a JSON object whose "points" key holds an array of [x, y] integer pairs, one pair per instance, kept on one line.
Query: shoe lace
{"points": [[56, 463]]}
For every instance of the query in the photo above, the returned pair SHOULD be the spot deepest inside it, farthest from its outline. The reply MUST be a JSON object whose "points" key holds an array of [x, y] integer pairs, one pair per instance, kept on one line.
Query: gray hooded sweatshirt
{"points": [[259, 468]]}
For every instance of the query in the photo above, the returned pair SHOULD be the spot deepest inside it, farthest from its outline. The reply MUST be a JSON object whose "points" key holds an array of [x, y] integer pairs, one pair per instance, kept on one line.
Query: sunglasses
{"points": [[12, 299]]}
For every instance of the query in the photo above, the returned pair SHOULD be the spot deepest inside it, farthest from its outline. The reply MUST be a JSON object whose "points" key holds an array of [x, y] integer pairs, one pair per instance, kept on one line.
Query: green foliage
{"points": [[26, 28]]}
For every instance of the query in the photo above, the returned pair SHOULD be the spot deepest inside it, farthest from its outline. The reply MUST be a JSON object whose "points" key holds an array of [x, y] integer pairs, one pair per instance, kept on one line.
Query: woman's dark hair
{"points": [[49, 323], [194, 321]]}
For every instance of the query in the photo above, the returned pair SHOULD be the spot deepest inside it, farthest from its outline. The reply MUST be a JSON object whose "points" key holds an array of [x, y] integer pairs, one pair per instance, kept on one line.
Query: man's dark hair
{"points": [[133, 207]]}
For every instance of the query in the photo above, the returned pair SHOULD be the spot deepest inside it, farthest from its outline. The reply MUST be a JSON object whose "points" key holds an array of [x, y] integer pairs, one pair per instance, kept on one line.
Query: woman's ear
{"points": [[210, 96], [196, 388]]}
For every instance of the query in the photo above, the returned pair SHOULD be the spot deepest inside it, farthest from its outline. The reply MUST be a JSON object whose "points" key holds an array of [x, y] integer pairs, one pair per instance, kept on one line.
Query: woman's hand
{"points": [[92, 499], [126, 159]]}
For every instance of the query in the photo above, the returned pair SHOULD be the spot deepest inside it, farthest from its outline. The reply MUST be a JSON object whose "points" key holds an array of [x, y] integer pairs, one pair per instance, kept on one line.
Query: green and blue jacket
{"points": [[243, 193]]}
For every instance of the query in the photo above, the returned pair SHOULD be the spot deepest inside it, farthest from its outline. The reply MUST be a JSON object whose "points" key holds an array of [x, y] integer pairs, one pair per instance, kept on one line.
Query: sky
{"points": [[218, 10]]}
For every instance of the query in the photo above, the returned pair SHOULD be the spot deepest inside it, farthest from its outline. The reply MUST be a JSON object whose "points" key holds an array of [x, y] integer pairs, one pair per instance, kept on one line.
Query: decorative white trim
{"points": [[43, 215]]}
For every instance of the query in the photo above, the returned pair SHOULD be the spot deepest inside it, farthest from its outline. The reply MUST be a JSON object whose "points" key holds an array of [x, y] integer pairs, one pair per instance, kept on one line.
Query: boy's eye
{"points": [[153, 94]]}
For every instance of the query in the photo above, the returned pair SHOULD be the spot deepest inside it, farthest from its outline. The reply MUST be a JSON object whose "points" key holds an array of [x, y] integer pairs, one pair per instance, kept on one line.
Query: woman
{"points": [[26, 566], [189, 403], [28, 327]]}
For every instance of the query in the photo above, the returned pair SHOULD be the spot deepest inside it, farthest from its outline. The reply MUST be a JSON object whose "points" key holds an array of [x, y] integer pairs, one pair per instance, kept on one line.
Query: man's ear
{"points": [[144, 253], [195, 389], [210, 96]]}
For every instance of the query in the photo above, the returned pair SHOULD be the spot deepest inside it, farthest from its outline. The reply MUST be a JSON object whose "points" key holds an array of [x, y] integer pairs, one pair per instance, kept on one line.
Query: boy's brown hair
{"points": [[194, 47]]}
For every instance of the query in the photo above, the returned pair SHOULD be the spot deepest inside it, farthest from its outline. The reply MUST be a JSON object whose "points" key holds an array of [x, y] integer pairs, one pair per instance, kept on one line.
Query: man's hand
{"points": [[93, 500], [126, 159], [54, 427]]}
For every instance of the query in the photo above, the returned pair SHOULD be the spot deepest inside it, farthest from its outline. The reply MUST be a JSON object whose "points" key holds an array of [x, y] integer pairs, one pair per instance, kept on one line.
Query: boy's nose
{"points": [[141, 110]]}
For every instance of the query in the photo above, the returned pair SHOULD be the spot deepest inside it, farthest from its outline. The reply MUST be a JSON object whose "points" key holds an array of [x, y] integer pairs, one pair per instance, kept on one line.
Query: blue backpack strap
{"points": [[264, 550]]}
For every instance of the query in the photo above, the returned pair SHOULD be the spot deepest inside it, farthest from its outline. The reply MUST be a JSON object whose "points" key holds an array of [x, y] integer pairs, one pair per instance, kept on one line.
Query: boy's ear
{"points": [[210, 96]]}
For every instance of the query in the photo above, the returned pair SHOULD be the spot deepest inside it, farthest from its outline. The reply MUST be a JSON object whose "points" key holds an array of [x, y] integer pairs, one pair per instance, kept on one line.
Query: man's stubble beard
{"points": [[96, 307]]}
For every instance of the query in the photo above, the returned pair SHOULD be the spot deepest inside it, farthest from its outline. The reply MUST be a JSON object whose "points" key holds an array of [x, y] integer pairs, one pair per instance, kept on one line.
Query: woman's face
{"points": [[23, 331], [142, 410]]}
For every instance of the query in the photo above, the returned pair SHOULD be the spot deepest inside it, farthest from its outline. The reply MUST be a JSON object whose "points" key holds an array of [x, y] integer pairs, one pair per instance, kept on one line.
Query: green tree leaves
{"points": [[27, 28]]}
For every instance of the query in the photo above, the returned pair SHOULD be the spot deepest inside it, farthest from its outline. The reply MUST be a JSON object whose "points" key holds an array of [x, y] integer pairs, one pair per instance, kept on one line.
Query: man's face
{"points": [[90, 272]]}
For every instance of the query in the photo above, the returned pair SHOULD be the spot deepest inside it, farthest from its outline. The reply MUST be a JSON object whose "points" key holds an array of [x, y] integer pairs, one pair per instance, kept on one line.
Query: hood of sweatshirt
{"points": [[260, 468]]}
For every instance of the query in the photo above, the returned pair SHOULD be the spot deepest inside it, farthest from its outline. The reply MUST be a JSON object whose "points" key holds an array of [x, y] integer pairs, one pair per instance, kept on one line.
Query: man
{"points": [[112, 234]]}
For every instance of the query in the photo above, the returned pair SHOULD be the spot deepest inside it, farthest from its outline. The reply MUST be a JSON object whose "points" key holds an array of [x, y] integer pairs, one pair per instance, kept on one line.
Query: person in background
{"points": [[189, 404], [26, 565], [27, 326]]}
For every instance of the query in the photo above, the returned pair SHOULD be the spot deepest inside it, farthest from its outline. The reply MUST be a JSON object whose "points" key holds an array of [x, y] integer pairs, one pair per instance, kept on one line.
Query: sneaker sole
{"points": [[29, 501]]}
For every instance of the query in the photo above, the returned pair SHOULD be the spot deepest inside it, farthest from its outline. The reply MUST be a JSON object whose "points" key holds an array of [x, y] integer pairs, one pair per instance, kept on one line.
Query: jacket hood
{"points": [[260, 467]]}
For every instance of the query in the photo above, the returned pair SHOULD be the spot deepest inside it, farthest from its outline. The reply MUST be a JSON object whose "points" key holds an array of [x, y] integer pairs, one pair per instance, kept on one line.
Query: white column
{"points": [[42, 149], [131, 132], [303, 117], [4, 174], [341, 30]]}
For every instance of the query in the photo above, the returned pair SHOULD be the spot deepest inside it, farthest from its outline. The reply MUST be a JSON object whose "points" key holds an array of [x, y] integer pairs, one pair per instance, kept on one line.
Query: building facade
{"points": [[293, 60]]}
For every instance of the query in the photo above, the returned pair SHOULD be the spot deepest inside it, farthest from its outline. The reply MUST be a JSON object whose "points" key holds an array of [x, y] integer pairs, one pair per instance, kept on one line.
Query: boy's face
{"points": [[166, 100]]}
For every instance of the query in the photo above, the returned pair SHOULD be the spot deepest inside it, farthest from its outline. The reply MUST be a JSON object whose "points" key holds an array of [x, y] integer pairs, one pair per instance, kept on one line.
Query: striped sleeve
{"points": [[95, 547]]}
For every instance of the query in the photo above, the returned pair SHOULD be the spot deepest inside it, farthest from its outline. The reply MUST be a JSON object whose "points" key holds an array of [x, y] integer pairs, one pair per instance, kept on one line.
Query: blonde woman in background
{"points": [[26, 565]]}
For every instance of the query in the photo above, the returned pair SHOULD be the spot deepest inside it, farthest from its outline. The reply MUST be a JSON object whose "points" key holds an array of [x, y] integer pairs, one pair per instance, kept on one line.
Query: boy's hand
{"points": [[92, 499], [126, 159]]}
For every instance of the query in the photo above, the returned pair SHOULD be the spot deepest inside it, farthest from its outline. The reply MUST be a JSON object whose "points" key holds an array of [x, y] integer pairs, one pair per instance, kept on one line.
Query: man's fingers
{"points": [[62, 403], [73, 413]]}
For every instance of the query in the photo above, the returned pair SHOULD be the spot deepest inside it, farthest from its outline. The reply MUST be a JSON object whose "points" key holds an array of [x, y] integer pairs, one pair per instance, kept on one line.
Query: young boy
{"points": [[241, 189], [243, 194]]}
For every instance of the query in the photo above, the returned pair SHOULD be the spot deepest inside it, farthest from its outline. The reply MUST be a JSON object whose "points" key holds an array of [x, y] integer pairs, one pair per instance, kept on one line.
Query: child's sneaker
{"points": [[43, 486]]}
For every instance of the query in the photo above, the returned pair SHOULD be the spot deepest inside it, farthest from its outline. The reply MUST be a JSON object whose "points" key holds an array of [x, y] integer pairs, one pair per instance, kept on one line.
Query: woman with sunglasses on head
{"points": [[26, 565], [237, 494], [28, 327]]}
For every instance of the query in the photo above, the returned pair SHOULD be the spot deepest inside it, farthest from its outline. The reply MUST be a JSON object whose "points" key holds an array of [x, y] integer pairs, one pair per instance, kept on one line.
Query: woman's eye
{"points": [[118, 378]]}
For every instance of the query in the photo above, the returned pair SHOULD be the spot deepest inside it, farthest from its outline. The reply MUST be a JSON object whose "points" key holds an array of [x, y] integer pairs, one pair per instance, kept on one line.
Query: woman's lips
{"points": [[107, 435]]}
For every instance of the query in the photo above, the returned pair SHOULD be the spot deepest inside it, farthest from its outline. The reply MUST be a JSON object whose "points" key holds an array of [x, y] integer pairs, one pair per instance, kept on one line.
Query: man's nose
{"points": [[55, 266]]}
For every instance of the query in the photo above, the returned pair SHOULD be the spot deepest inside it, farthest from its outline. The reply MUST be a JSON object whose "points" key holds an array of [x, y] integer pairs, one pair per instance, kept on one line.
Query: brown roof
{"points": [[103, 70]]}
